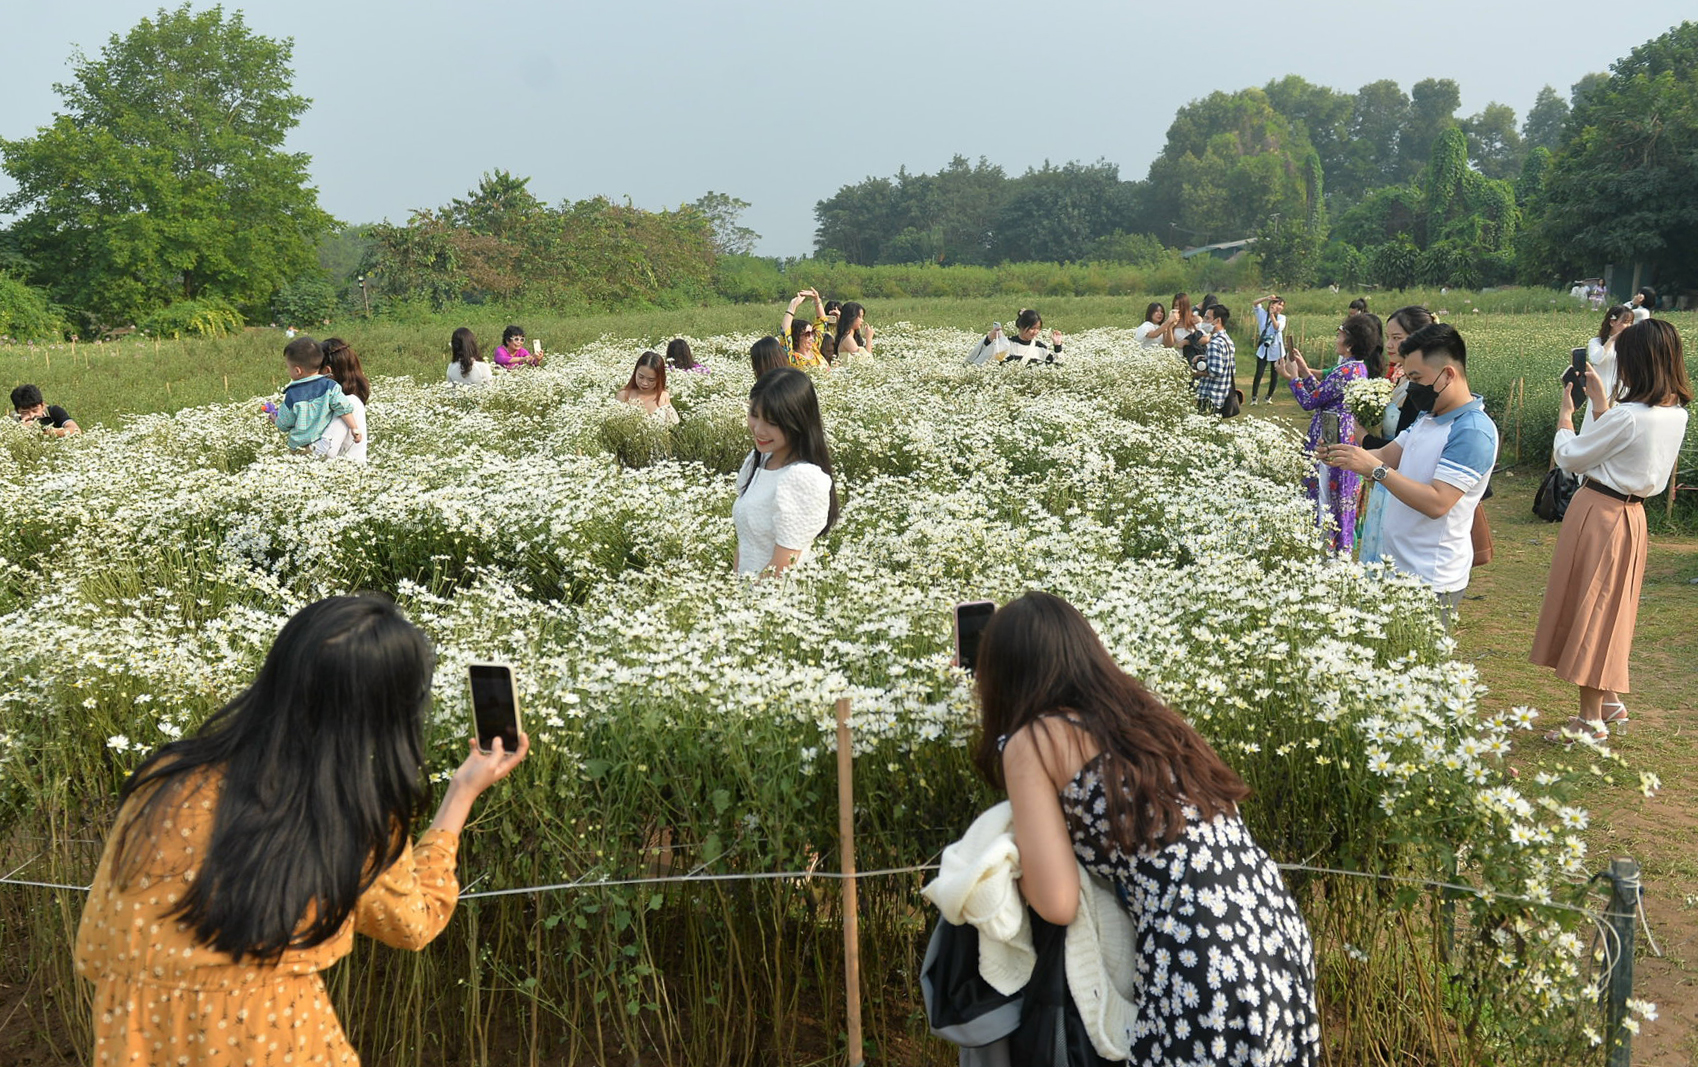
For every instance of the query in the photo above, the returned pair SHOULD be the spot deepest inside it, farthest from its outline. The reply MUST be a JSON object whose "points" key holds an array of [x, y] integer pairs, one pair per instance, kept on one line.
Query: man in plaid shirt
{"points": [[1214, 379]]}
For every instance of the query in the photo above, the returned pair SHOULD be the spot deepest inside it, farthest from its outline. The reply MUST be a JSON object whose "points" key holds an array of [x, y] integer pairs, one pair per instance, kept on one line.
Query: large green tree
{"points": [[1230, 165], [165, 177], [1621, 188]]}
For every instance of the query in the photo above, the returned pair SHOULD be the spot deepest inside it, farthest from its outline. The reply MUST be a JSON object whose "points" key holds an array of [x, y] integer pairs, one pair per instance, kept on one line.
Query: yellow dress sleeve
{"points": [[411, 902]]}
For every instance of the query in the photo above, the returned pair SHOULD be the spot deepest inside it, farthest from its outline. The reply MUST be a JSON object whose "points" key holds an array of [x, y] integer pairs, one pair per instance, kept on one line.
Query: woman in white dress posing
{"points": [[786, 495]]}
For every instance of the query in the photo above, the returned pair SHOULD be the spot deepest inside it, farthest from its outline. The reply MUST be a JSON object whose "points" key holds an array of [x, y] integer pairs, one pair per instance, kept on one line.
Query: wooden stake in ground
{"points": [[851, 917]]}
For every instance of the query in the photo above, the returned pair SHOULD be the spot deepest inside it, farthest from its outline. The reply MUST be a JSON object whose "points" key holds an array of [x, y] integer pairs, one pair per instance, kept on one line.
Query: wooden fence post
{"points": [[851, 916], [1624, 906]]}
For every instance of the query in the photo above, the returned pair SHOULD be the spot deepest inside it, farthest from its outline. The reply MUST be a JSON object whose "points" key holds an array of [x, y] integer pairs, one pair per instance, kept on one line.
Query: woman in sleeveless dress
{"points": [[1101, 774]]}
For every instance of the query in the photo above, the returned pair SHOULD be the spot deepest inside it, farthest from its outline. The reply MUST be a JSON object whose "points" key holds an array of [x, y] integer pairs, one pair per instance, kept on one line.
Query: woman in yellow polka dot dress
{"points": [[245, 858]]}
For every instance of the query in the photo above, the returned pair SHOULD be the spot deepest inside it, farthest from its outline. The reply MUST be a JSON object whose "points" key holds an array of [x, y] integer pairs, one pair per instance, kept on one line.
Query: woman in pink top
{"points": [[511, 352]]}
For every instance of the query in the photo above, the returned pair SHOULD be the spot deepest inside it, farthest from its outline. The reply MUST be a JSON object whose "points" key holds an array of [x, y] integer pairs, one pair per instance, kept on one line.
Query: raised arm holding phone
{"points": [[245, 857]]}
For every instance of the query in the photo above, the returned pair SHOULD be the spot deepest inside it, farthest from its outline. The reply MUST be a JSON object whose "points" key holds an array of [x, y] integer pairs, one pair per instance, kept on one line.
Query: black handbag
{"points": [[1040, 1026], [1551, 501]]}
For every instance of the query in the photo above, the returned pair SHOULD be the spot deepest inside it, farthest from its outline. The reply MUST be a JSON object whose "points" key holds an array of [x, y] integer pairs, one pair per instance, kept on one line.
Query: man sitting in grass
{"points": [[27, 406]]}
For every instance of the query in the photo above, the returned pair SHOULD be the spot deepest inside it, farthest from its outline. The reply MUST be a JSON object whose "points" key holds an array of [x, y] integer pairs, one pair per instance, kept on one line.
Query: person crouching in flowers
{"points": [[1102, 775], [786, 495], [245, 858], [1626, 453]]}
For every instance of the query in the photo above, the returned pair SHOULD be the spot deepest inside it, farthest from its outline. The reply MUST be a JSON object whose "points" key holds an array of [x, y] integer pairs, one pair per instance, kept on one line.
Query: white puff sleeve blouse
{"points": [[787, 507]]}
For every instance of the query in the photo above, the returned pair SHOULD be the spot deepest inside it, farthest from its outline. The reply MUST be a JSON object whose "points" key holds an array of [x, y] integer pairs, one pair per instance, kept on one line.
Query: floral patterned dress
{"points": [[1332, 489], [1225, 968], [161, 997]]}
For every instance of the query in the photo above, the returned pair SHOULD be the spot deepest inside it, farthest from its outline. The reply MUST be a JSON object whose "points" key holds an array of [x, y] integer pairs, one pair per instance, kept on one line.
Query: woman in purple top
{"points": [[511, 352], [1361, 353]]}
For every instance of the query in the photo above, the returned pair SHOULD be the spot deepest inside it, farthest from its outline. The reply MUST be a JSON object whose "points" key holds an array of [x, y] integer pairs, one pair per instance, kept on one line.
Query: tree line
{"points": [[1378, 186], [161, 196]]}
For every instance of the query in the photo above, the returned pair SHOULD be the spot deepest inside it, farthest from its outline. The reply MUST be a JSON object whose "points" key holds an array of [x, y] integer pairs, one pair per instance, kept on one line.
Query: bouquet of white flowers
{"points": [[1367, 399]]}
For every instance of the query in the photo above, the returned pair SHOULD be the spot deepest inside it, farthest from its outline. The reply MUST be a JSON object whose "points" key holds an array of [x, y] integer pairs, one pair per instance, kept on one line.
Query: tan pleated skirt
{"points": [[1592, 596]]}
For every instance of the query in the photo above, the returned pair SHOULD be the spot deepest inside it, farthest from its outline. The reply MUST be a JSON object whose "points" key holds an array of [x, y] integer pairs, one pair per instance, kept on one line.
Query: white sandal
{"points": [[1578, 729], [1617, 719]]}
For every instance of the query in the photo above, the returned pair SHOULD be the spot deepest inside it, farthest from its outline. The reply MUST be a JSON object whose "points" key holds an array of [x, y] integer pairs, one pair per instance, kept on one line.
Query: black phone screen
{"points": [[970, 620], [1577, 375], [495, 707]]}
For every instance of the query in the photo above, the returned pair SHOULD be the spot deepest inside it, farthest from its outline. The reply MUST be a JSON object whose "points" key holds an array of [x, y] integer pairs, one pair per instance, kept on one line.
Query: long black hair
{"points": [[1039, 657], [1618, 312], [1366, 340], [343, 363], [767, 354], [679, 355], [847, 316], [318, 770], [464, 345], [785, 398], [652, 361]]}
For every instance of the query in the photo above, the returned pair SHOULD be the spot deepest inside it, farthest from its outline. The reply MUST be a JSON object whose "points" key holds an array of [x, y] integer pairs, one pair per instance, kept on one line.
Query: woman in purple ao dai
{"points": [[1360, 347]]}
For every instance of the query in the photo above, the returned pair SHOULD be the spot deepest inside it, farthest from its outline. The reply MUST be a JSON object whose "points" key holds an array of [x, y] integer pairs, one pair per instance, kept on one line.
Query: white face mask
{"points": [[1205, 327]]}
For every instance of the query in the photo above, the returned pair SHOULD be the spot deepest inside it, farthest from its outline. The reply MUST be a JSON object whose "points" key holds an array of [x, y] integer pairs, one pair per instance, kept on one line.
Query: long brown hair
{"points": [[343, 363], [1610, 316], [653, 362], [1038, 656], [1650, 365]]}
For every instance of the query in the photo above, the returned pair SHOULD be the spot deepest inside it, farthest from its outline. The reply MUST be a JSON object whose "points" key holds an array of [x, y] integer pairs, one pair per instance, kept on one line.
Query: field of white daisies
{"points": [[682, 718]]}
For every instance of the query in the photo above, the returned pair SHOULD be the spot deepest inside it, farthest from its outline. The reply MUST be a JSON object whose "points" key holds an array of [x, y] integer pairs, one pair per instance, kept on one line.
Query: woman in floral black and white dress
{"points": [[1102, 775]]}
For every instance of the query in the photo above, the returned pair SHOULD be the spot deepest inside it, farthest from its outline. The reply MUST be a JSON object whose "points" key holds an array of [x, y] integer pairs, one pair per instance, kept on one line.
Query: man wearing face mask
{"points": [[1436, 471]]}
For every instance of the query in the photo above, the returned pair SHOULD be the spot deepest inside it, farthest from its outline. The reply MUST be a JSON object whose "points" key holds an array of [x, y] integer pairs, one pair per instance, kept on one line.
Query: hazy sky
{"points": [[781, 104]]}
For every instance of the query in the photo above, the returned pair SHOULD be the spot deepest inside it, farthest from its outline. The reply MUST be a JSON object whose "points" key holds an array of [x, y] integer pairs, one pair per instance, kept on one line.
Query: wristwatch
{"points": [[1380, 472]]}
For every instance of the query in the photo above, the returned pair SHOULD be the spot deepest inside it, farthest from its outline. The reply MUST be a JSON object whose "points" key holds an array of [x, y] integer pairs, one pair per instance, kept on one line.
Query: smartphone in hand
{"points": [[1329, 428], [1576, 375], [970, 620], [495, 705]]}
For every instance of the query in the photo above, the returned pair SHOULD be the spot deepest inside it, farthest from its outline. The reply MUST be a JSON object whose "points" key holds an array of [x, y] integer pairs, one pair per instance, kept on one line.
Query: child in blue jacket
{"points": [[311, 402]]}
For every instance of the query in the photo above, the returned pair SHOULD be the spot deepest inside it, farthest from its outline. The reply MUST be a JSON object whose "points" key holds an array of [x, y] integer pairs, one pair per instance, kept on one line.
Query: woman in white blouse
{"points": [[1600, 352], [466, 365], [1626, 453], [785, 491]]}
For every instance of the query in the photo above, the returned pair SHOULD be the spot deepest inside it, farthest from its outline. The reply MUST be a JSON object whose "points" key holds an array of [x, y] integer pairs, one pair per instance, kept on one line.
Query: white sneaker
{"points": [[1254, 401]]}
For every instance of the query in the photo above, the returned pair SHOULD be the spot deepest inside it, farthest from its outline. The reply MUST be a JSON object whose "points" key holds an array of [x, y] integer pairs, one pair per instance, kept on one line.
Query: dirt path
{"points": [[1496, 632]]}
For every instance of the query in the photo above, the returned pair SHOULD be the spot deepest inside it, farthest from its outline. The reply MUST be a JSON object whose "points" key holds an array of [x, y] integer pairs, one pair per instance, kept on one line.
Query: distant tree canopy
{"points": [[1377, 186], [1621, 187], [500, 243], [165, 178]]}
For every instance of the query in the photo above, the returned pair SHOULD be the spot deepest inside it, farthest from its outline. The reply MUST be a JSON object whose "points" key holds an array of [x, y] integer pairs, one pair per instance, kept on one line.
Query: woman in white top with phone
{"points": [[1600, 351], [786, 495], [1591, 602]]}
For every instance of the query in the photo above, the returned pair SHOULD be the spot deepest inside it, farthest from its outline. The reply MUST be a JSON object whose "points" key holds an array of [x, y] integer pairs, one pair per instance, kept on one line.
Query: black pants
{"points": [[1273, 378]]}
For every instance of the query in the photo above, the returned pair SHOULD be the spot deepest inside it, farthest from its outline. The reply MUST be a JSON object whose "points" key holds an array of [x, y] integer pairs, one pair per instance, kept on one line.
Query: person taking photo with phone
{"points": [[1270, 344], [1436, 471], [1360, 348], [245, 857], [1626, 453], [1102, 775]]}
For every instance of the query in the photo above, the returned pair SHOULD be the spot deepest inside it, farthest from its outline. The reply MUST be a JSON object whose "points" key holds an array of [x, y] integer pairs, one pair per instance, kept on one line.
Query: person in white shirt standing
{"points": [[1627, 453], [1270, 343], [1436, 471]]}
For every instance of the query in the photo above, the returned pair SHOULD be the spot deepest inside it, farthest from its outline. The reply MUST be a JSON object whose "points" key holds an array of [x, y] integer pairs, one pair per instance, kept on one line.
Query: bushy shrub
{"points": [[26, 314], [206, 317]]}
